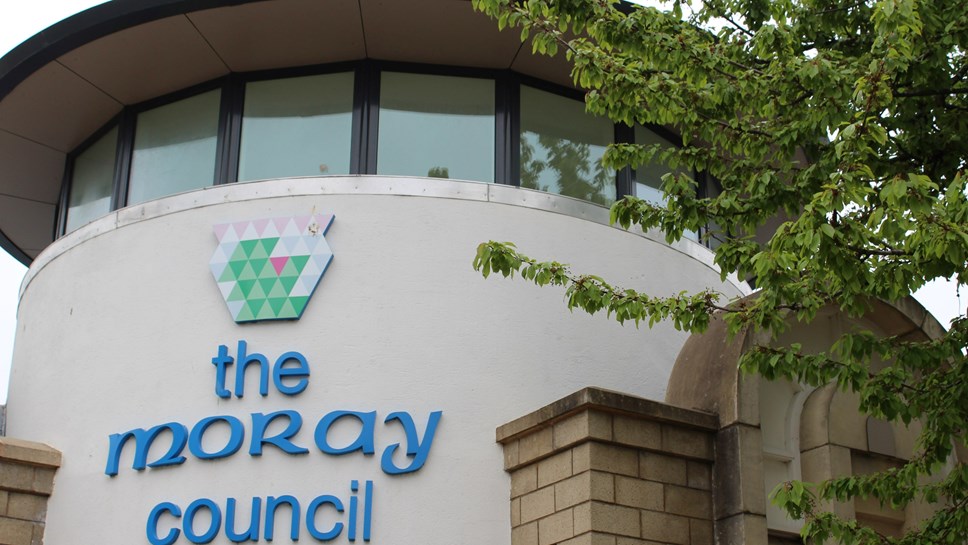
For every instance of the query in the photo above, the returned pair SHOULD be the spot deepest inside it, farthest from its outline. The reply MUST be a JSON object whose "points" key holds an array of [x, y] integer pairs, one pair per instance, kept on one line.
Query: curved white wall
{"points": [[119, 321]]}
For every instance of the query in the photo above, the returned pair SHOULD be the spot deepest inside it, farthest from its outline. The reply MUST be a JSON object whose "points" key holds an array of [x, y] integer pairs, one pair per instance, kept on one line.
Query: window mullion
{"points": [[229, 130], [122, 164]]}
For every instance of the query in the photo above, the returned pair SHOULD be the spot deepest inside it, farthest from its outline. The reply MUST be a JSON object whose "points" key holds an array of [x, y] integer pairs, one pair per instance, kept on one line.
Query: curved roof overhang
{"points": [[61, 85]]}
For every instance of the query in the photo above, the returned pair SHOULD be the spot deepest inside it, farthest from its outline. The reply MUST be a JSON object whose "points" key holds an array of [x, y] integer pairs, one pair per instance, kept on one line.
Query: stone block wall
{"points": [[26, 481], [603, 468]]}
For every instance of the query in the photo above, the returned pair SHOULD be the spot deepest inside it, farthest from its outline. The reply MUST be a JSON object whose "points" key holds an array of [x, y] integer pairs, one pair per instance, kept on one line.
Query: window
{"points": [[174, 148], [297, 127], [648, 177], [92, 181], [401, 123], [562, 147], [437, 126]]}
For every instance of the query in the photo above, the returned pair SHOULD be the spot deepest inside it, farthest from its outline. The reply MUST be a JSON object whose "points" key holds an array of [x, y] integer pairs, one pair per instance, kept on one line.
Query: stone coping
{"points": [[607, 401], [361, 185], [28, 453]]}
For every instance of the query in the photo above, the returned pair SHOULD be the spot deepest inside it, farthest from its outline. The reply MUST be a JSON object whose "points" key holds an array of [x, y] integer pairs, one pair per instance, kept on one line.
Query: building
{"points": [[180, 174]]}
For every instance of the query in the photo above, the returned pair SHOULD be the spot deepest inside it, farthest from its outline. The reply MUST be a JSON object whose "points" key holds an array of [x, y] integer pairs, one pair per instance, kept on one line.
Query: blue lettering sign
{"points": [[265, 518], [167, 522]]}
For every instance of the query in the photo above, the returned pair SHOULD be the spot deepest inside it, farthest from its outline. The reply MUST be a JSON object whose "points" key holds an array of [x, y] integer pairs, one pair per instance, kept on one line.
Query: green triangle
{"points": [[247, 272], [287, 311], [288, 282], [268, 271], [228, 275], [299, 303], [256, 293], [267, 285], [257, 266], [246, 287], [237, 267], [238, 254], [300, 261], [245, 314], [266, 313], [276, 304], [255, 306], [269, 244], [259, 253], [289, 269], [278, 290], [247, 246], [236, 293]]}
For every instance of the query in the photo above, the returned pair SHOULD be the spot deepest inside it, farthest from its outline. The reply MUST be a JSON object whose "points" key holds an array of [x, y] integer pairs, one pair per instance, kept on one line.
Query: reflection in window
{"points": [[92, 181], [174, 148], [562, 147], [437, 126], [713, 235], [648, 177], [297, 127]]}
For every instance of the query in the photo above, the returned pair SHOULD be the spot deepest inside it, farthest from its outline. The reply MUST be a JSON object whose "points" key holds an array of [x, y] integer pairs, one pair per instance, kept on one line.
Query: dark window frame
{"points": [[64, 198], [235, 111], [365, 124], [129, 127], [494, 76]]}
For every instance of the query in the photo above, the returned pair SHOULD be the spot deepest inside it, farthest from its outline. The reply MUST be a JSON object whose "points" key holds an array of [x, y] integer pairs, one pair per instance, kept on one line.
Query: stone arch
{"points": [[826, 434]]}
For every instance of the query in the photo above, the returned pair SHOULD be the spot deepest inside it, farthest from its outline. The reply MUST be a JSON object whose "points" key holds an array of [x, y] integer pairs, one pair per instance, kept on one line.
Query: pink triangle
{"points": [[260, 226], [302, 222], [280, 224], [324, 220], [240, 227], [220, 230], [278, 263]]}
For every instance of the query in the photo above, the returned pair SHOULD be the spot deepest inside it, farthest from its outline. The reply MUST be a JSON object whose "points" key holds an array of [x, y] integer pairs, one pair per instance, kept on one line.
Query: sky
{"points": [[21, 20], [18, 22]]}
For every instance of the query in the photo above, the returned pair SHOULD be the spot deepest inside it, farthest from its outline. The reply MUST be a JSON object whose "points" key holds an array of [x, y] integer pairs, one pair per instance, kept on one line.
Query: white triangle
{"points": [[270, 230], [219, 255], [289, 243], [322, 247], [235, 307], [309, 282], [309, 242], [217, 269], [299, 248], [298, 290], [280, 250], [291, 230], [228, 248], [322, 261], [310, 268], [226, 288], [230, 236], [250, 232]]}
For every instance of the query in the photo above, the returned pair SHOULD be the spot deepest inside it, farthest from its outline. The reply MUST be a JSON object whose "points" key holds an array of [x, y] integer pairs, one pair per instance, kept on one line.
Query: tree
{"points": [[847, 118]]}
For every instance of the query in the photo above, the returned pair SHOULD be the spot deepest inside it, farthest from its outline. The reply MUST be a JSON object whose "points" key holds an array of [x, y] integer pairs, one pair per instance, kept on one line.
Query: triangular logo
{"points": [[261, 265]]}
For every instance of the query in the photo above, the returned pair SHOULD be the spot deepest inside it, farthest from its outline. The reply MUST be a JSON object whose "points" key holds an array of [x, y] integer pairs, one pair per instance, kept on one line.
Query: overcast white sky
{"points": [[21, 20]]}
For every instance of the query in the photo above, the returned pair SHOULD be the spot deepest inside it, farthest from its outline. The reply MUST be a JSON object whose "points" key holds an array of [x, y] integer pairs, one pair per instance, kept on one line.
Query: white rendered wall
{"points": [[119, 321]]}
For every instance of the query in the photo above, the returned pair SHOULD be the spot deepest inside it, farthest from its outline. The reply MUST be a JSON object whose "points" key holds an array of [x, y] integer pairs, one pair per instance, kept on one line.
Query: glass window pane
{"points": [[174, 148], [648, 177], [438, 126], [92, 181], [562, 147], [297, 127]]}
